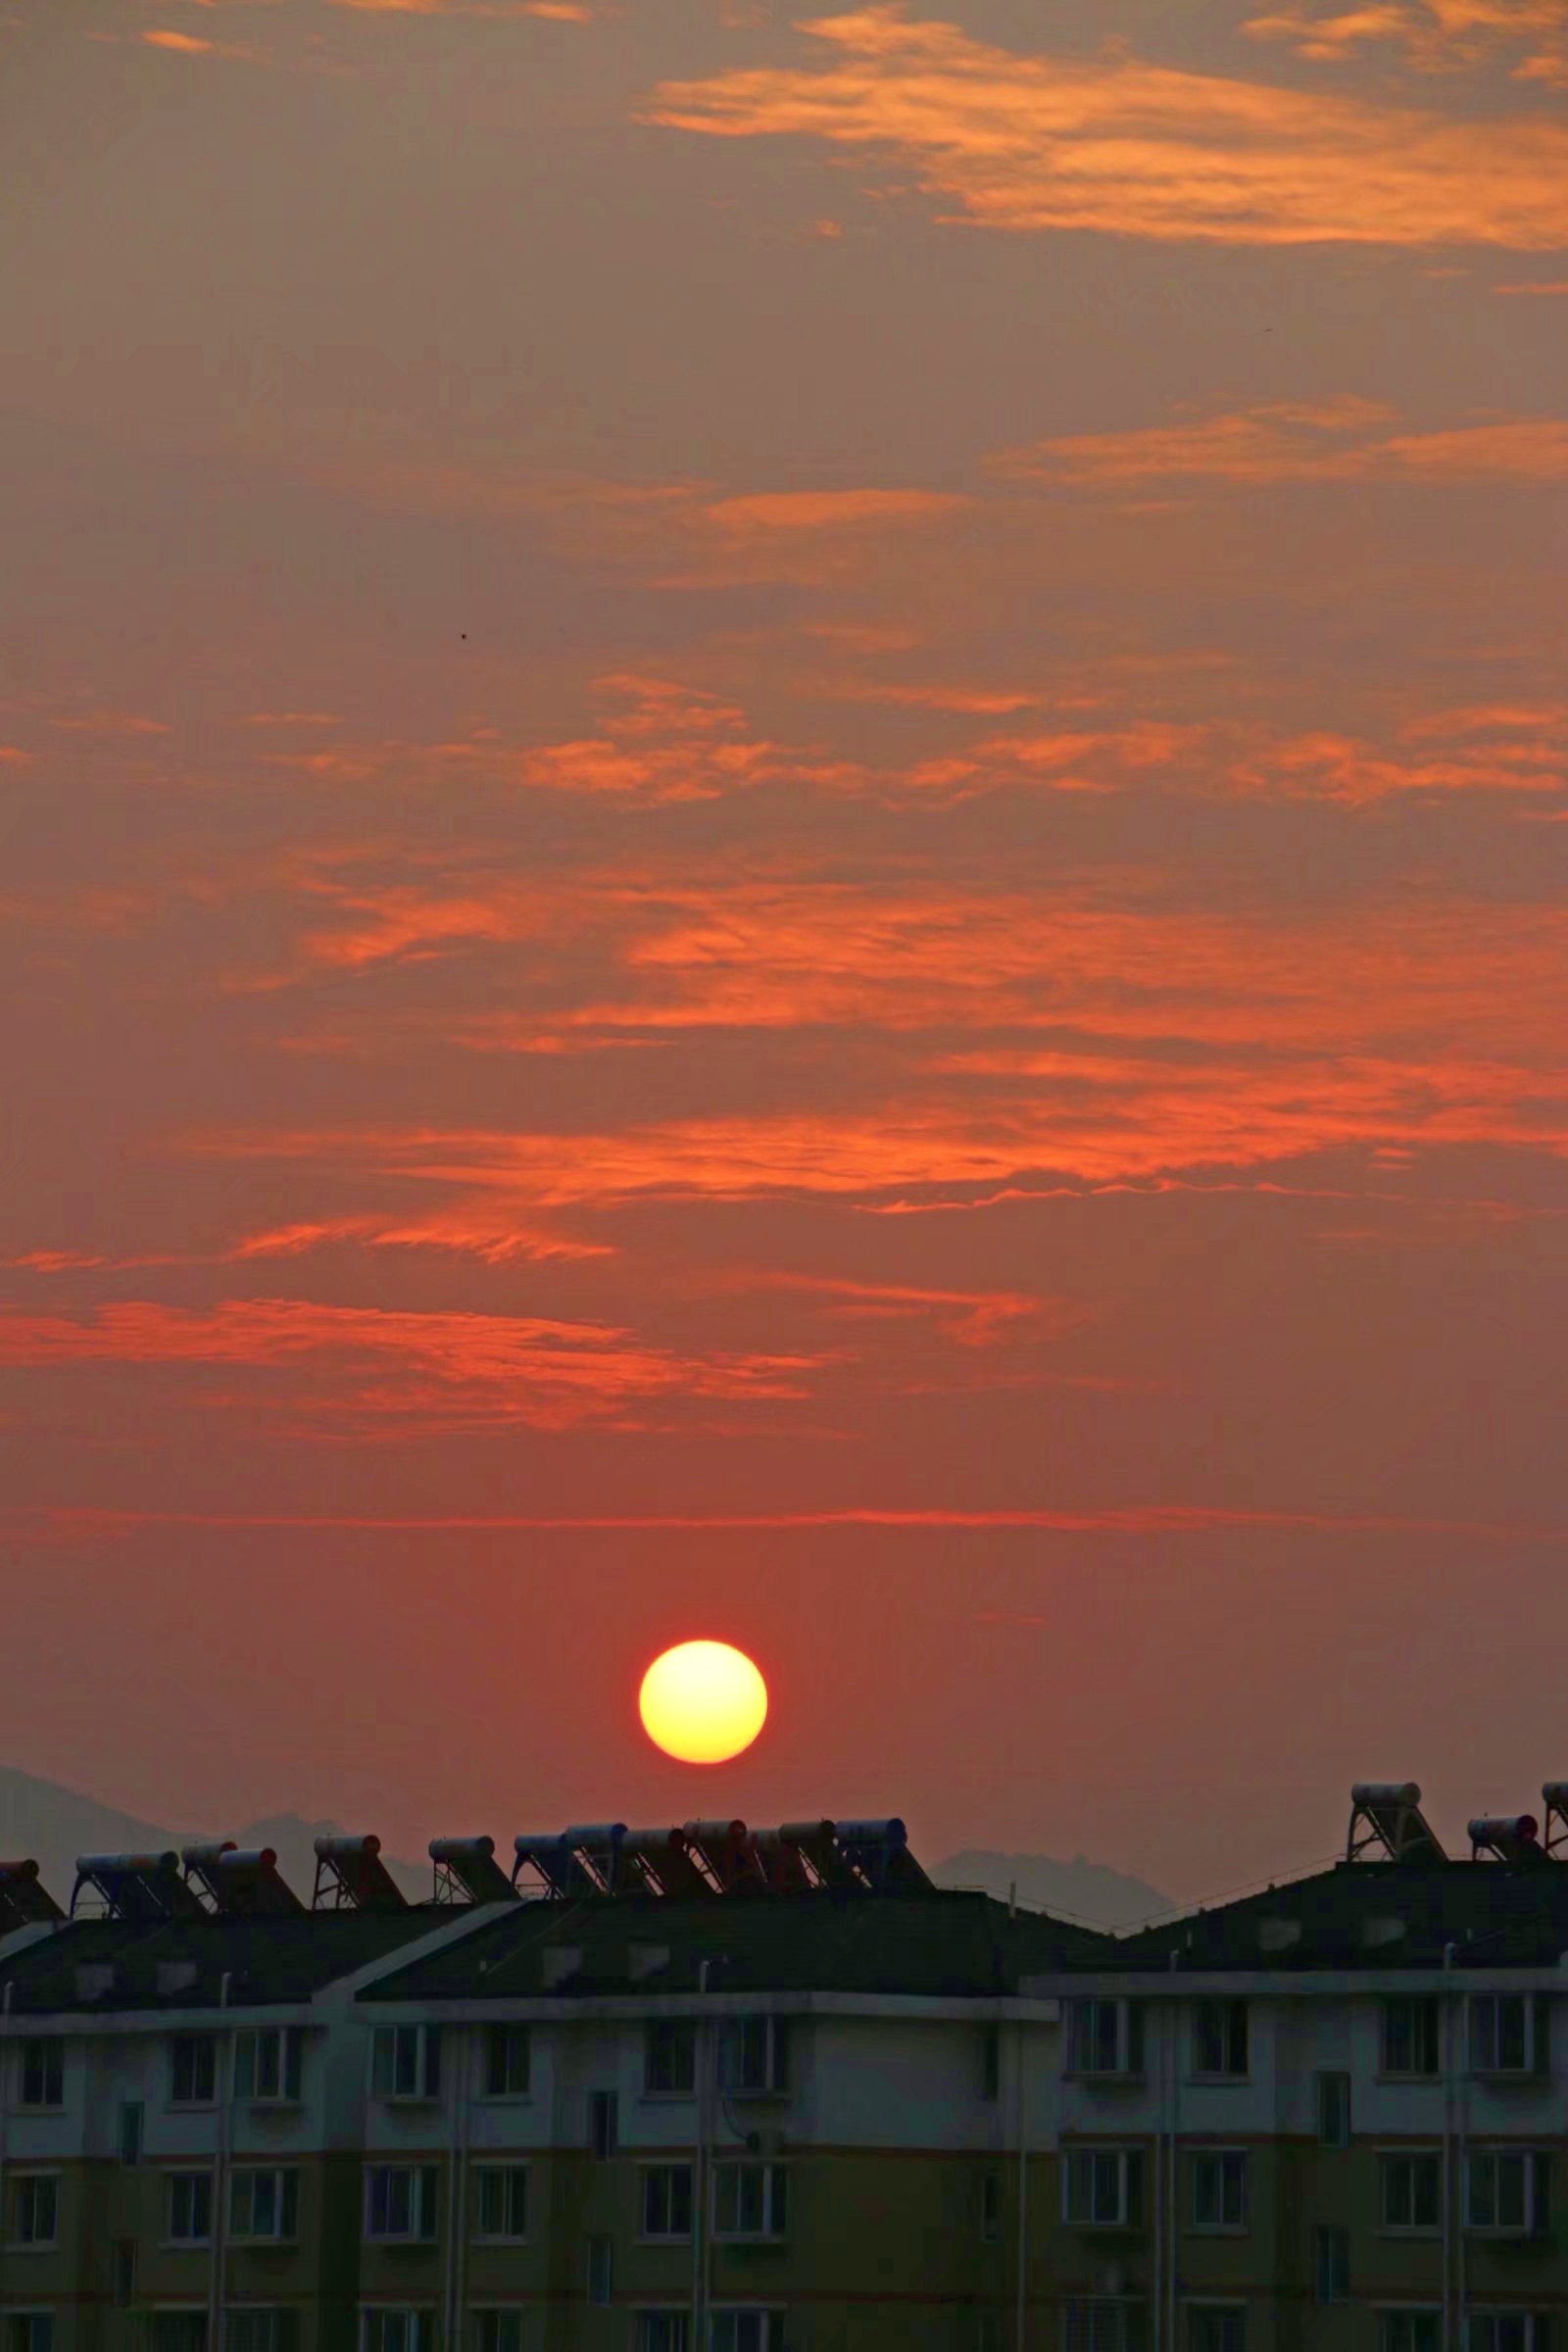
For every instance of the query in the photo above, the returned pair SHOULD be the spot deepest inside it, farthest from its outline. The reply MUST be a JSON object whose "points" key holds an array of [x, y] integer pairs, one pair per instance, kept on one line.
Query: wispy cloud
{"points": [[1029, 142], [1344, 440], [1435, 37]]}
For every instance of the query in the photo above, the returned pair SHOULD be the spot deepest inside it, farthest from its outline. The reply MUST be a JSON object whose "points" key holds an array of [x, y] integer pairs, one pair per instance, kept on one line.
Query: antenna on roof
{"points": [[24, 1901], [1554, 1796], [1506, 1838], [467, 1872], [350, 1876], [1387, 1814], [145, 1888], [240, 1882]]}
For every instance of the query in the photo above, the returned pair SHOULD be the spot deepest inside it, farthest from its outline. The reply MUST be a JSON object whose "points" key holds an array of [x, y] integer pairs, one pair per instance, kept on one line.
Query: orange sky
{"points": [[783, 812]]}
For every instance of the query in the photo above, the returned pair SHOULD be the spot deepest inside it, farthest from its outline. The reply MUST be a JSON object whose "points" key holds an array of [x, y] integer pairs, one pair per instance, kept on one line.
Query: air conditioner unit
{"points": [[764, 2143], [1112, 2280]]}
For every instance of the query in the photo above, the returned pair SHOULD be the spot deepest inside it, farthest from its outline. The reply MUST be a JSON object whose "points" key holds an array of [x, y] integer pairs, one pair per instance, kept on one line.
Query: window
{"points": [[1508, 2332], [43, 2073], [406, 2062], [1104, 2037], [1410, 2034], [1103, 2187], [747, 2332], [1410, 2332], [507, 2062], [267, 2065], [190, 2208], [1506, 2189], [193, 2069], [131, 2124], [670, 2058], [35, 2209], [1104, 2324], [179, 2332], [1217, 2327], [1219, 2188], [753, 2053], [30, 2332], [1333, 2263], [991, 2207], [668, 2200], [1334, 2111], [1219, 2037], [400, 2200], [749, 2200], [601, 2272], [502, 2200], [1502, 2036], [264, 2204], [498, 2331], [662, 2332], [258, 2329], [397, 2331], [1412, 2191], [123, 2271], [603, 2128]]}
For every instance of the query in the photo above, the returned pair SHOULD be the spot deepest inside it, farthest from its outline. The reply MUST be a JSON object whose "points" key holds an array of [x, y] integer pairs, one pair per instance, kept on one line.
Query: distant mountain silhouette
{"points": [[1076, 1889], [54, 1825]]}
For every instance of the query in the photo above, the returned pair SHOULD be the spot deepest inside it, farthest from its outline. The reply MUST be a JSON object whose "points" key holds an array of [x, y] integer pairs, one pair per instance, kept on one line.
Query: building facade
{"points": [[827, 2119]]}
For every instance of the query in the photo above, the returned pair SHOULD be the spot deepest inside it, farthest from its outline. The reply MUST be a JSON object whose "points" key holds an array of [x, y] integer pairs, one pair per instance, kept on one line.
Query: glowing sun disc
{"points": [[703, 1702]]}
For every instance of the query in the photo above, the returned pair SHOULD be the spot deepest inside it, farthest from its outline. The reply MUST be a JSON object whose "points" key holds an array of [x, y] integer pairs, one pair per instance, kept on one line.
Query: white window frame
{"points": [[388, 2044], [283, 2047], [1223, 2159], [1424, 2021], [1234, 2306], [419, 2326], [279, 2176], [1483, 2330], [23, 2317], [737, 2080], [1204, 2010], [1129, 2163], [774, 2225], [192, 2173], [524, 2038], [677, 2312], [23, 2177], [1530, 2160], [1482, 2005], [482, 2314], [683, 2027], [1408, 2312], [721, 2340], [33, 2050], [1430, 2157], [206, 2042], [665, 2238], [1081, 2042], [423, 2204], [281, 2335], [1086, 2320], [505, 2172]]}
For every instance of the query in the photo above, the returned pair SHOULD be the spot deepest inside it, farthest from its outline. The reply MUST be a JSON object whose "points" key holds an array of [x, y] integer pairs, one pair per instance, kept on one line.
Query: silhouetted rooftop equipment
{"points": [[240, 1882], [350, 1876], [1555, 1797], [719, 1858], [1505, 1837], [146, 1888], [24, 1899], [467, 1872], [1386, 1816]]}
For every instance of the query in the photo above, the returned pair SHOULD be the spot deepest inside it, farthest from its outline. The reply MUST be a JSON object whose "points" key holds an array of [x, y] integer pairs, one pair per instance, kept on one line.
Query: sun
{"points": [[703, 1702]]}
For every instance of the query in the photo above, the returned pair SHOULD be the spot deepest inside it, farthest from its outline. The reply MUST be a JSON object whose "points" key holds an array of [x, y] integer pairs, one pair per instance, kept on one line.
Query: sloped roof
{"points": [[1383, 1915], [934, 1942], [267, 1960]]}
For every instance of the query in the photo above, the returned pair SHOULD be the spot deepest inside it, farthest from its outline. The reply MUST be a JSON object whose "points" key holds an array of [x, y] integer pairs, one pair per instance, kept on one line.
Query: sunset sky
{"points": [[783, 803]]}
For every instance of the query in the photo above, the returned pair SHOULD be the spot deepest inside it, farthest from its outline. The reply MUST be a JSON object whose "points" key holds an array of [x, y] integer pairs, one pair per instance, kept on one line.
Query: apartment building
{"points": [[753, 2099]]}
